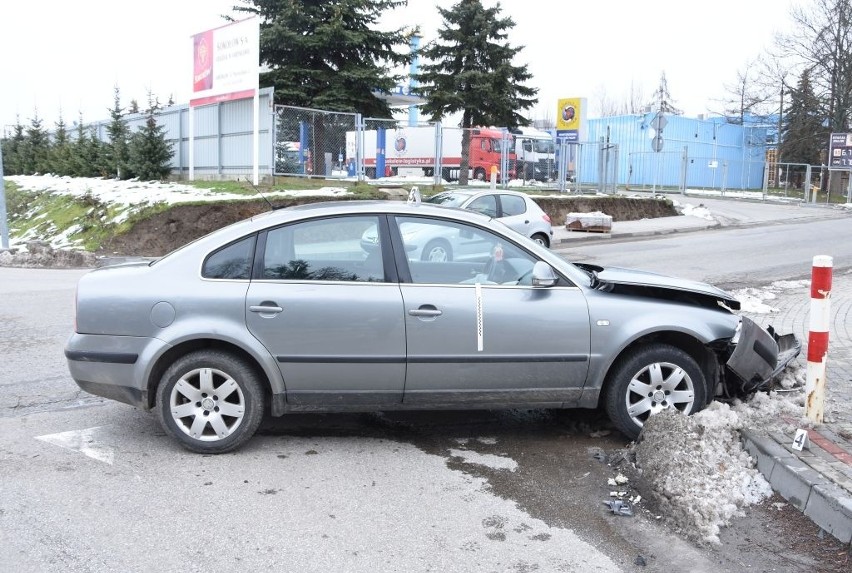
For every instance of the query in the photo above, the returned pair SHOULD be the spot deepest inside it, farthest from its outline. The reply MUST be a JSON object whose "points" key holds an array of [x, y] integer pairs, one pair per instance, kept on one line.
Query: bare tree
{"points": [[630, 103], [606, 105], [749, 96], [821, 43]]}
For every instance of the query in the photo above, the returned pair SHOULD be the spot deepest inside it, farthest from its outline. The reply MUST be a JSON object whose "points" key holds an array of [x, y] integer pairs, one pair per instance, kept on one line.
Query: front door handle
{"points": [[425, 310], [266, 308]]}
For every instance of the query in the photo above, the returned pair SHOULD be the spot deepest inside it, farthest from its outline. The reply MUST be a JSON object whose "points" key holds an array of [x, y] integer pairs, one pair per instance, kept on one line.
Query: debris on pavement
{"points": [[619, 507]]}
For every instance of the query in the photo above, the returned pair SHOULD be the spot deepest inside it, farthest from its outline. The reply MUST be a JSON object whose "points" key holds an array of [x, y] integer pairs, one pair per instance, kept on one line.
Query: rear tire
{"points": [[437, 251], [210, 401], [479, 174], [541, 239], [650, 379]]}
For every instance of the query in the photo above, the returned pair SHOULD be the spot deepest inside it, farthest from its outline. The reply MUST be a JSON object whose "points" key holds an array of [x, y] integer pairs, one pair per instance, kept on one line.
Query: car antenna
{"points": [[257, 190]]}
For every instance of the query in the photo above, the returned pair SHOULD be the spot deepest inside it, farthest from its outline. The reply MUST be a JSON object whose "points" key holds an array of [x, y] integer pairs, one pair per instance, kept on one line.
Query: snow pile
{"points": [[752, 299], [135, 192], [699, 473], [690, 210]]}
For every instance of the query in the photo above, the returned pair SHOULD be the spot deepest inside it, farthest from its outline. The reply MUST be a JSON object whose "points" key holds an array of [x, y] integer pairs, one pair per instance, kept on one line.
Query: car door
{"points": [[323, 303], [514, 214], [479, 333]]}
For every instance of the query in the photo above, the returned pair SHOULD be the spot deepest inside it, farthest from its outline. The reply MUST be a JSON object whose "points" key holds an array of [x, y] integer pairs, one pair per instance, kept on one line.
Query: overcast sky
{"points": [[59, 54]]}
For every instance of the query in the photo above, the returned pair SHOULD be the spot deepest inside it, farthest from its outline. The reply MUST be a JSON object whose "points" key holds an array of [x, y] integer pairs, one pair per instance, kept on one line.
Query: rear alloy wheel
{"points": [[651, 379], [210, 401]]}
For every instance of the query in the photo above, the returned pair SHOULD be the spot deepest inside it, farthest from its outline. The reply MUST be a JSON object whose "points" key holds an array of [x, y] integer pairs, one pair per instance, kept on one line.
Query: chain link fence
{"points": [[312, 142]]}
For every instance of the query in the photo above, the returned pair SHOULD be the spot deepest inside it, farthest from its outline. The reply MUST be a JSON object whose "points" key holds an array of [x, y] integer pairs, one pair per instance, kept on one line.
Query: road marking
{"points": [[82, 441]]}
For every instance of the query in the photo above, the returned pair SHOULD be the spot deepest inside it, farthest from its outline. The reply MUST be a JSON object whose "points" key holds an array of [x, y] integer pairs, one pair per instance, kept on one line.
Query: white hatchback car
{"points": [[516, 210]]}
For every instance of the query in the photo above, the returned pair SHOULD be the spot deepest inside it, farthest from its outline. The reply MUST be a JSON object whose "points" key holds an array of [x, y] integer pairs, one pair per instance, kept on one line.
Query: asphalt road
{"points": [[90, 485], [751, 255]]}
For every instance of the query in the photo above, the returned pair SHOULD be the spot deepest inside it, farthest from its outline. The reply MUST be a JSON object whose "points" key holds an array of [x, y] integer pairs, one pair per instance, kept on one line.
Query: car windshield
{"points": [[543, 146], [447, 199]]}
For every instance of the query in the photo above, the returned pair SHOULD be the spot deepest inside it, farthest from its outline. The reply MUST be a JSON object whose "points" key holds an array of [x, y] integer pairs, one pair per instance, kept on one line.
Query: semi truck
{"points": [[412, 149], [536, 154]]}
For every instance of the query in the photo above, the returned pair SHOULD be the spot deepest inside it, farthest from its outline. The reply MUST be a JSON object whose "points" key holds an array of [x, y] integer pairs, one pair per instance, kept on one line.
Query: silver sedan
{"points": [[288, 312]]}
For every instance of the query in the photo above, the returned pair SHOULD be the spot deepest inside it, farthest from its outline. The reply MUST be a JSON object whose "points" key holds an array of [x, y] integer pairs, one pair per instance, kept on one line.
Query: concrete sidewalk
{"points": [[818, 479]]}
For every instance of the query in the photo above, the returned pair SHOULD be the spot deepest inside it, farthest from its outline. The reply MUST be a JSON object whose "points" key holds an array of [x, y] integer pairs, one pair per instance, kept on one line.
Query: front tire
{"points": [[650, 379], [210, 401]]}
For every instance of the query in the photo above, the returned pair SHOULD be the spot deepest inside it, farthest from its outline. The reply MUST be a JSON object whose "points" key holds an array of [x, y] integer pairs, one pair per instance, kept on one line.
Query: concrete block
{"points": [[794, 481], [765, 451], [831, 508]]}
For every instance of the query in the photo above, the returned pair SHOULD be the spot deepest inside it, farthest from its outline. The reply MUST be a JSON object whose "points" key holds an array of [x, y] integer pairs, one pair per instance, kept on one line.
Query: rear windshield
{"points": [[447, 199]]}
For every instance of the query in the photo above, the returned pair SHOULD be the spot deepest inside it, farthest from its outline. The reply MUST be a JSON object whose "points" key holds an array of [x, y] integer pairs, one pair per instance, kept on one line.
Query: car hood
{"points": [[637, 278]]}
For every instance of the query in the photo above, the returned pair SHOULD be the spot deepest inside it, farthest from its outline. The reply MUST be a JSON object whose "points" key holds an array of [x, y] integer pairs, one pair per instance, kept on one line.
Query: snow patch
{"points": [[488, 460]]}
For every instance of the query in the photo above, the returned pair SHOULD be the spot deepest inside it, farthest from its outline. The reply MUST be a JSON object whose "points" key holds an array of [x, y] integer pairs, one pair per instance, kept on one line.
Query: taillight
{"points": [[546, 218]]}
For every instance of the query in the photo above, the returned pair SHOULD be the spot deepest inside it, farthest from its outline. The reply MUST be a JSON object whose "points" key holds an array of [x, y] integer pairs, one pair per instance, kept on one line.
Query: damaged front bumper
{"points": [[758, 357]]}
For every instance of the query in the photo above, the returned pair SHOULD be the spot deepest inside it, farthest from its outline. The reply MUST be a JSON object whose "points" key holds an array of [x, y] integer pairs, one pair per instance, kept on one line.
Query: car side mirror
{"points": [[543, 275]]}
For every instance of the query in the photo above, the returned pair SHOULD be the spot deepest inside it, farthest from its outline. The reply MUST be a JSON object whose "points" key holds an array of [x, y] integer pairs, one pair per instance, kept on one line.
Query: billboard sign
{"points": [[570, 118], [840, 150], [225, 63]]}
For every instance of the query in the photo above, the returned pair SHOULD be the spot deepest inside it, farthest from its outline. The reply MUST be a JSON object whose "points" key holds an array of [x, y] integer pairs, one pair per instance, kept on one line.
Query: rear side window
{"points": [[231, 262], [513, 205]]}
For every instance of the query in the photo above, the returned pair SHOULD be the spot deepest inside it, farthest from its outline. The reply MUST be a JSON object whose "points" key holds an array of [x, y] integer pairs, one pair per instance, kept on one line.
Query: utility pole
{"points": [[780, 118]]}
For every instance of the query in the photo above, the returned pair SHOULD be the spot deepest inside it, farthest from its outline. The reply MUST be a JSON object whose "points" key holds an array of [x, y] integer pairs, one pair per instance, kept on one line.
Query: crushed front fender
{"points": [[759, 357]]}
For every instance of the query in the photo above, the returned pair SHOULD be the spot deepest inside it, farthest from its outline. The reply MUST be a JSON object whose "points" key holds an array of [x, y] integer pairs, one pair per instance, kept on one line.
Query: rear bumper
{"points": [[112, 366]]}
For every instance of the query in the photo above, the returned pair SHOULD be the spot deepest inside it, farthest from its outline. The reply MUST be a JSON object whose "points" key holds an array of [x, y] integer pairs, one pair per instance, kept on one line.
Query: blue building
{"points": [[645, 151]]}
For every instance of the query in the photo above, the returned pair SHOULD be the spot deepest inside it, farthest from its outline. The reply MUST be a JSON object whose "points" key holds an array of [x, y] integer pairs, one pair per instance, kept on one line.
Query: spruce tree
{"points": [[118, 133], [79, 151], [13, 148], [60, 159], [150, 154], [329, 54], [36, 148], [469, 70], [803, 134]]}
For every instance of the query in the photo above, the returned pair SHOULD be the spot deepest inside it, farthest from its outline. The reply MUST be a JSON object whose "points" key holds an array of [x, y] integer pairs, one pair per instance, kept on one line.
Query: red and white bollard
{"points": [[818, 338]]}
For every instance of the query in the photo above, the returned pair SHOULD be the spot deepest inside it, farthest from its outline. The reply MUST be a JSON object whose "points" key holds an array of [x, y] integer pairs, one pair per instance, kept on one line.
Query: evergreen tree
{"points": [[13, 148], [803, 134], [60, 151], [79, 147], [36, 148], [327, 54], [133, 108], [470, 70], [87, 152], [150, 153], [118, 133], [662, 100]]}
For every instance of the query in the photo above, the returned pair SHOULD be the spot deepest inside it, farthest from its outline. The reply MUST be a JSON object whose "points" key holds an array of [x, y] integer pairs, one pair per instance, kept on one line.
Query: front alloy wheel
{"points": [[649, 380], [210, 401]]}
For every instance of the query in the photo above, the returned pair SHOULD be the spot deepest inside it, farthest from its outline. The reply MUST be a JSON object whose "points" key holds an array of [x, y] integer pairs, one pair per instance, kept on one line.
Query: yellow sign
{"points": [[568, 113]]}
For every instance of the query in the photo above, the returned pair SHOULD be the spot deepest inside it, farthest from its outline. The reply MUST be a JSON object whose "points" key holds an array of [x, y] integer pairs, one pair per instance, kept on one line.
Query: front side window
{"points": [[334, 249], [487, 205], [232, 262], [448, 252]]}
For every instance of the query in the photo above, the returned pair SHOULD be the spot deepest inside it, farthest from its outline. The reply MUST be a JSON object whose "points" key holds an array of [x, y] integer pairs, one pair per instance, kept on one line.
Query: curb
{"points": [[593, 237], [826, 504]]}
